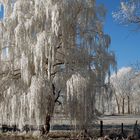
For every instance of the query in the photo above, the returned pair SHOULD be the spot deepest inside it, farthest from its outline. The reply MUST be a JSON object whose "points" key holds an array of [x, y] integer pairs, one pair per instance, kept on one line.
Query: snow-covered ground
{"points": [[107, 120], [118, 119]]}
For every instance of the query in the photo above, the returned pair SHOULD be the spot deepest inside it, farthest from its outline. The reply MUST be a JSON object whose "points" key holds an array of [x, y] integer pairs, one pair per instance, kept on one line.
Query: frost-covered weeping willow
{"points": [[45, 43]]}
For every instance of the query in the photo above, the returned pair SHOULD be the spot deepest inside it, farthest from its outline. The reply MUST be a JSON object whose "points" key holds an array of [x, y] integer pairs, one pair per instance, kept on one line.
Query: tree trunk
{"points": [[131, 109], [118, 106], [118, 109], [50, 110], [47, 124], [46, 128], [52, 99], [128, 104], [123, 106]]}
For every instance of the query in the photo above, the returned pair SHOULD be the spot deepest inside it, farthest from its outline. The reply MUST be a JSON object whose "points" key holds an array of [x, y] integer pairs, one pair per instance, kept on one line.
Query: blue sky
{"points": [[125, 42], [1, 11]]}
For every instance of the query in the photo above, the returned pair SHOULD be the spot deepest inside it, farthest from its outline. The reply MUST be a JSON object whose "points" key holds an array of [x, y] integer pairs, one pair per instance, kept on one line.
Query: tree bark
{"points": [[123, 106], [47, 124], [128, 104], [118, 106], [52, 99], [118, 109]]}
